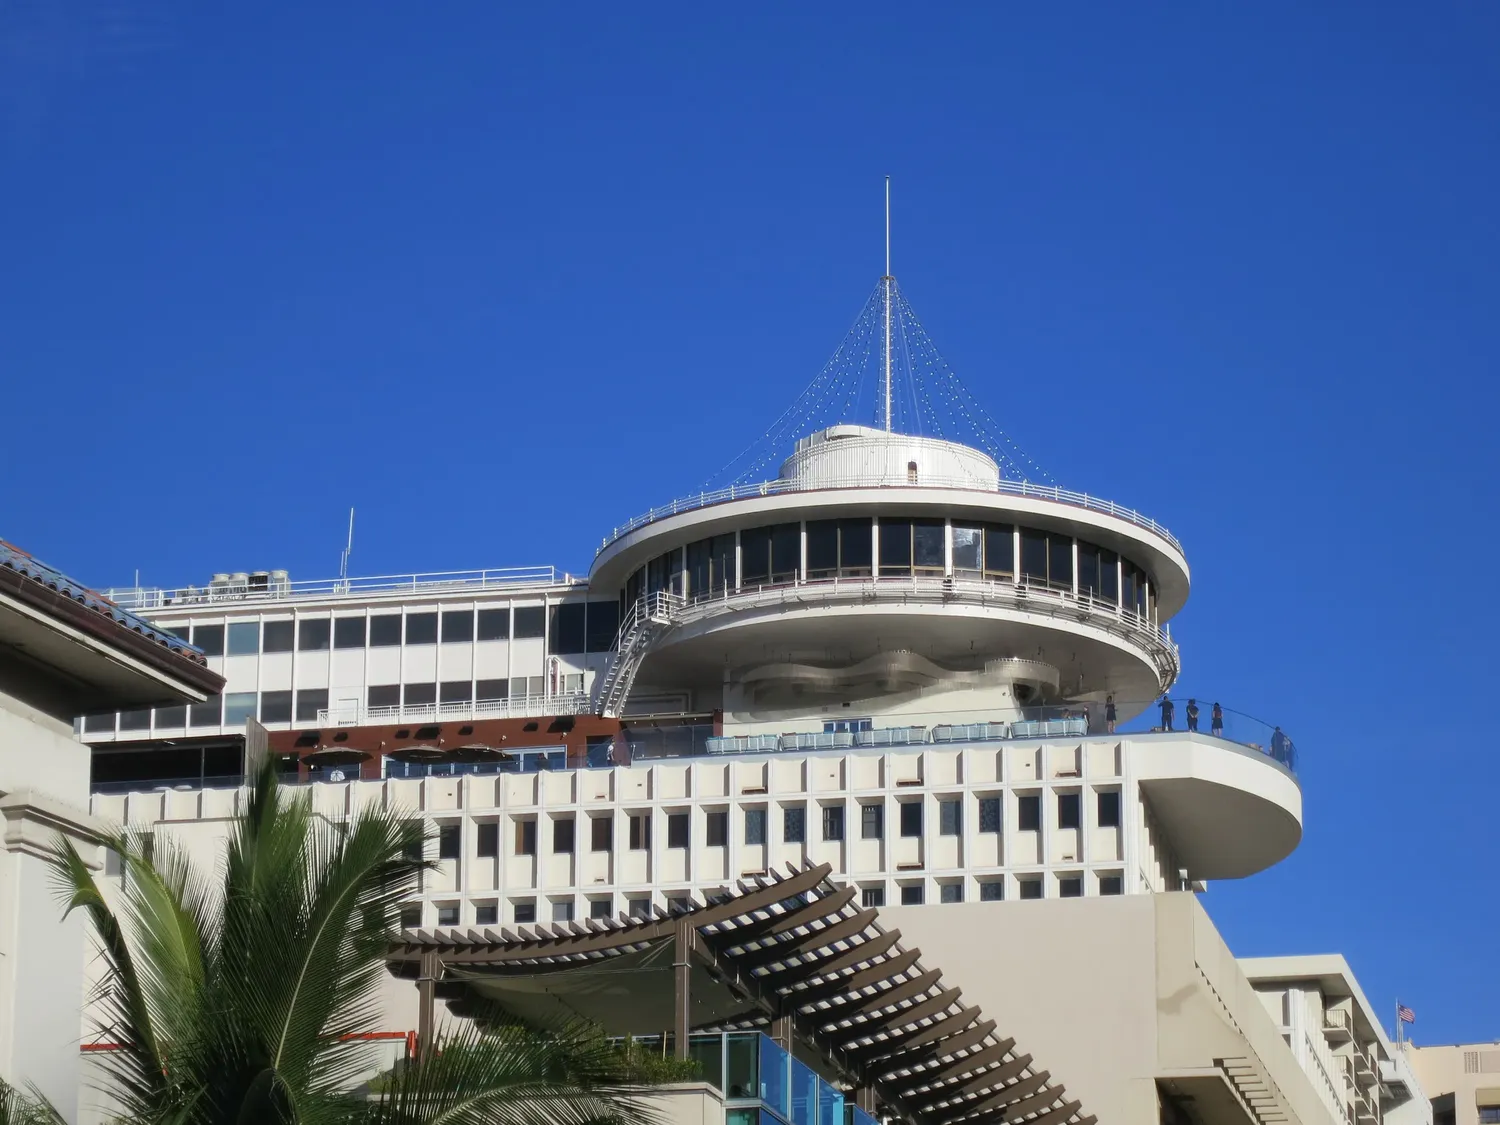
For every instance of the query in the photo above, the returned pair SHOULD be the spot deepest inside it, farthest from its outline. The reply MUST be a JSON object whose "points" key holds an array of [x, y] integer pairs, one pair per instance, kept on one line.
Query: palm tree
{"points": [[244, 998]]}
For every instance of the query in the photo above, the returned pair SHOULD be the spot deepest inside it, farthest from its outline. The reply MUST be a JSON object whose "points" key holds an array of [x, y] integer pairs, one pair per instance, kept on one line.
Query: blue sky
{"points": [[501, 279]]}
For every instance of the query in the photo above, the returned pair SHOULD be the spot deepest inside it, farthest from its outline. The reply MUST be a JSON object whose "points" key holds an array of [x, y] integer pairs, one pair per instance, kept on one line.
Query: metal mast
{"points": [[886, 282]]}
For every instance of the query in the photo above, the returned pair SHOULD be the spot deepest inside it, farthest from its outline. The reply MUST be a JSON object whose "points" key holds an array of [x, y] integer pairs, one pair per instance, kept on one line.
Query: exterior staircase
{"points": [[650, 617]]}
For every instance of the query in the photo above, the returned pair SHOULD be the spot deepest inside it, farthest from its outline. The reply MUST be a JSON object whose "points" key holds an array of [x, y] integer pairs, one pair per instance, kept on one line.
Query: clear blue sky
{"points": [[501, 280]]}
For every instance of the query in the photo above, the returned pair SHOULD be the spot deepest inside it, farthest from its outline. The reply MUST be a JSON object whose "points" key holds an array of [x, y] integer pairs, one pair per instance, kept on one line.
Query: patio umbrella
{"points": [[335, 756], [419, 755], [477, 753]]}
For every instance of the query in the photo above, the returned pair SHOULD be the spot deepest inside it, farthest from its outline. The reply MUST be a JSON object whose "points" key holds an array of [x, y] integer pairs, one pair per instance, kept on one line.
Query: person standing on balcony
{"points": [[1216, 721], [1192, 715], [1109, 713], [1168, 712], [1278, 745]]}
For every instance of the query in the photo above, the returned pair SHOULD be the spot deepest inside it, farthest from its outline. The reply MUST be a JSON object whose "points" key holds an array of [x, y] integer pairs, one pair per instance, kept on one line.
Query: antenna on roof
{"points": [[348, 550], [886, 283]]}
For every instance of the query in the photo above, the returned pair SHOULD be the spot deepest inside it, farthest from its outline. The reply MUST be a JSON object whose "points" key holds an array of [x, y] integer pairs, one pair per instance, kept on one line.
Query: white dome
{"points": [[848, 456]]}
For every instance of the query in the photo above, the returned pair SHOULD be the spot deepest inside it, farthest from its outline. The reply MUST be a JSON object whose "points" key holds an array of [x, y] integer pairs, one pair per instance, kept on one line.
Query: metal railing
{"points": [[517, 707], [259, 587], [1002, 487]]}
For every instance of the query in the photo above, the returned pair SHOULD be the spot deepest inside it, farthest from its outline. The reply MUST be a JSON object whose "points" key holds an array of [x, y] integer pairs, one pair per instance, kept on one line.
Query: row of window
{"points": [[794, 825], [821, 549], [568, 627], [524, 911]]}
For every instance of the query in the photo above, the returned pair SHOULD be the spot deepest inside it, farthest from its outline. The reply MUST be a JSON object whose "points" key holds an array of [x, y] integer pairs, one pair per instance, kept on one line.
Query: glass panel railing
{"points": [[774, 1077], [805, 1085], [742, 1065]]}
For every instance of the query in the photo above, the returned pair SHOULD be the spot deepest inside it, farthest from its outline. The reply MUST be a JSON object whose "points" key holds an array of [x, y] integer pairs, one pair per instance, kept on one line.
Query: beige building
{"points": [[1463, 1081]]}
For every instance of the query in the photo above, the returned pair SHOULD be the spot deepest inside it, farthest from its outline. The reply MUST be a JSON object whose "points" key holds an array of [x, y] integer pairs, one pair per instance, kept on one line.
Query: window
{"points": [[411, 917], [602, 625], [1029, 813], [968, 549], [755, 826], [244, 638], [1060, 561], [640, 831], [895, 547], [562, 836], [1070, 886], [383, 695], [525, 912], [416, 833], [600, 907], [531, 621], [911, 818], [526, 837], [275, 707], [487, 914], [872, 896], [871, 822], [458, 626], [1030, 888], [314, 634], [568, 632], [638, 907], [999, 550], [912, 895], [448, 841], [1109, 809], [993, 891], [494, 625], [385, 630], [206, 714], [950, 818], [210, 638], [927, 549], [1111, 885], [177, 716], [447, 916], [602, 833], [822, 548], [421, 628], [238, 706], [105, 724], [950, 892], [562, 911], [989, 814], [679, 825], [1034, 555], [833, 822], [350, 632], [418, 695], [1489, 1115], [1068, 810], [717, 835], [278, 636], [1109, 576], [1088, 569], [490, 690], [794, 824], [455, 691], [488, 841]]}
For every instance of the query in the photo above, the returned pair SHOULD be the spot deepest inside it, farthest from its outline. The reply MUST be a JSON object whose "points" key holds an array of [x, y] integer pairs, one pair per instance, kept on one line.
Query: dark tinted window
{"points": [[421, 628], [455, 691], [871, 822], [275, 706], [210, 638], [1111, 885], [1060, 560], [602, 833], [488, 841], [383, 695], [525, 911], [177, 716], [525, 837], [927, 544], [1070, 887], [567, 631], [531, 621], [989, 814], [951, 892], [1067, 810], [640, 831], [448, 841], [491, 689], [1031, 888], [349, 632], [794, 825], [786, 550], [678, 826], [486, 914], [950, 818], [1000, 549], [991, 892], [494, 625], [309, 702], [562, 835], [458, 626], [822, 548], [856, 545], [1029, 813], [968, 548], [603, 624], [1034, 554], [1109, 576], [911, 818], [385, 630], [314, 634], [135, 720], [278, 636], [911, 896], [1109, 810], [895, 547], [1088, 568], [755, 826], [755, 556], [833, 822], [872, 896], [209, 713], [717, 830], [418, 695]]}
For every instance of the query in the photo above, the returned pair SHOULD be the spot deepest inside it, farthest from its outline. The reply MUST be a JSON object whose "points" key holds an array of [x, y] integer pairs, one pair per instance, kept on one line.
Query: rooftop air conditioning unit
{"points": [[260, 580]]}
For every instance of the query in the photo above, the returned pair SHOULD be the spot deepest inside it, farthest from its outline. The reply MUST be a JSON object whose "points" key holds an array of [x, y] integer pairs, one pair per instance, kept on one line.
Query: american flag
{"points": [[1405, 1014]]}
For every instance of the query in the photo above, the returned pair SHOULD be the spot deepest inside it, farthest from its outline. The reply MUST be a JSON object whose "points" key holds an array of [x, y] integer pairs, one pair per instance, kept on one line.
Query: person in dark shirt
{"points": [[1109, 713], [1278, 745], [1216, 720], [1168, 712], [1192, 714]]}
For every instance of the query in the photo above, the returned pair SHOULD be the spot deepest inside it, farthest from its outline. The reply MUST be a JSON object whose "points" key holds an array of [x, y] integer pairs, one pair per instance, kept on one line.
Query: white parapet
{"points": [[844, 456]]}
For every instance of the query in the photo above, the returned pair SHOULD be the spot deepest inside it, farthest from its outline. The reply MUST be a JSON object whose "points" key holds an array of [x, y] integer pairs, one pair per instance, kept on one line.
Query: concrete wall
{"points": [[1470, 1072]]}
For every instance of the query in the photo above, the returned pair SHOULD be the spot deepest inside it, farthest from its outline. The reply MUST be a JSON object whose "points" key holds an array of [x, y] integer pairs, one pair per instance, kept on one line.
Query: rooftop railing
{"points": [[1002, 487], [268, 587]]}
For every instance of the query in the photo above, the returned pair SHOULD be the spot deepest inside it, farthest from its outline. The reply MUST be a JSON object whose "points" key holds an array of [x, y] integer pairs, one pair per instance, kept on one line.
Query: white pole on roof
{"points": [[348, 550], [886, 281]]}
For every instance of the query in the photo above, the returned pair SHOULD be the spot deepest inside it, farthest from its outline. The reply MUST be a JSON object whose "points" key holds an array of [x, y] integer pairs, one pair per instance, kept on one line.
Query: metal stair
{"points": [[647, 620]]}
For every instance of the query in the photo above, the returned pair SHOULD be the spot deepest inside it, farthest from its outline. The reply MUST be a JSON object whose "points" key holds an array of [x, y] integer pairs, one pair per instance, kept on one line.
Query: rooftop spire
{"points": [[885, 282]]}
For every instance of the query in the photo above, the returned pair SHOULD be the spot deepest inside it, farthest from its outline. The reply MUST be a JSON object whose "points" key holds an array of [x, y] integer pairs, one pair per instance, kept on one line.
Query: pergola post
{"points": [[864, 1098], [781, 1032], [429, 970], [682, 969]]}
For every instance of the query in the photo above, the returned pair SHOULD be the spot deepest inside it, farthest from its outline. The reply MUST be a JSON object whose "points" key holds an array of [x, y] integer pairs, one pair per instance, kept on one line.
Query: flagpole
{"points": [[1400, 1039]]}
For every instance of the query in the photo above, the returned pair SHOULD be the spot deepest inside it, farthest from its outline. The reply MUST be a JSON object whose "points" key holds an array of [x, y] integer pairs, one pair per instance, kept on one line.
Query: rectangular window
{"points": [[1088, 568], [1111, 885], [679, 825], [568, 631], [1034, 555], [755, 826], [640, 832], [912, 895], [385, 630], [411, 917], [911, 818], [1070, 886], [244, 638], [999, 550], [458, 626], [447, 916], [1068, 810], [755, 556], [968, 543], [448, 841], [871, 822], [309, 702], [238, 706], [950, 892], [895, 547], [278, 636], [488, 839], [350, 632], [487, 914], [418, 695], [1029, 813], [531, 621], [794, 824], [525, 912], [872, 896], [786, 551], [210, 638], [562, 836], [526, 837], [602, 625], [1030, 888], [383, 695], [600, 908], [491, 691], [992, 891], [494, 625], [950, 818], [421, 628], [455, 691], [989, 814], [1109, 576], [602, 833], [822, 548], [856, 547], [314, 634], [927, 545], [209, 713], [275, 707], [1060, 561], [1109, 809], [416, 840], [833, 822], [177, 716], [717, 831]]}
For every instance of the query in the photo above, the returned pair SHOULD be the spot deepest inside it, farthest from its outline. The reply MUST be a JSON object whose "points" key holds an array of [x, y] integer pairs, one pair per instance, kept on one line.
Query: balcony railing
{"points": [[1003, 487], [516, 707]]}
